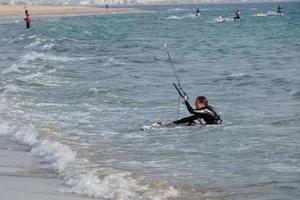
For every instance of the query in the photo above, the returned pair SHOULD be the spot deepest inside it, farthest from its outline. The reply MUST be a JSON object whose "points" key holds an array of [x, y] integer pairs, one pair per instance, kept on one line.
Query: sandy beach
{"points": [[23, 176], [15, 10]]}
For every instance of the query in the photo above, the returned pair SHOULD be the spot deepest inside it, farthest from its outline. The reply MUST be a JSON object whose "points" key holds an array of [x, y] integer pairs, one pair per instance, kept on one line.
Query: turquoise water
{"points": [[77, 90]]}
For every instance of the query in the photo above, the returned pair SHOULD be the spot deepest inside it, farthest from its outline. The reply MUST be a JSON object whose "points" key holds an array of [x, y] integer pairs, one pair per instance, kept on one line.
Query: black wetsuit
{"points": [[206, 115], [197, 12], [279, 10], [237, 16]]}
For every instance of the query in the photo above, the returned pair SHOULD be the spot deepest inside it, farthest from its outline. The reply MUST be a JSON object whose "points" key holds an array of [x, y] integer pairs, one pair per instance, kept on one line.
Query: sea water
{"points": [[77, 89]]}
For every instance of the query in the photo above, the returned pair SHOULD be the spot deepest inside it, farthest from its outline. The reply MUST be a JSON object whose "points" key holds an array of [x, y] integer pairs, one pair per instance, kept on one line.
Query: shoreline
{"points": [[17, 10], [23, 176]]}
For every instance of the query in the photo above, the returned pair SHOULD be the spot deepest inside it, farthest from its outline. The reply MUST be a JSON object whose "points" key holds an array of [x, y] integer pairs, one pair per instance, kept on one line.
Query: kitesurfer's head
{"points": [[201, 102]]}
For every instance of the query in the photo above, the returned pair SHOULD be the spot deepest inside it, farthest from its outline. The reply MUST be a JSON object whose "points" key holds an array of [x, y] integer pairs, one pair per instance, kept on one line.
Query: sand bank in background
{"points": [[15, 10]]}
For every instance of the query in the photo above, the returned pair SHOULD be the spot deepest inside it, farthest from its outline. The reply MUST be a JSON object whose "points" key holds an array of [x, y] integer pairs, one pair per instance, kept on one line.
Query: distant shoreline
{"points": [[17, 10]]}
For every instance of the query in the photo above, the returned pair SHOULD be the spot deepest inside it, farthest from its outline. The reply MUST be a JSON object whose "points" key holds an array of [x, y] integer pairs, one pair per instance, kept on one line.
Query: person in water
{"points": [[221, 16], [237, 15], [198, 12], [28, 20], [279, 12], [203, 114]]}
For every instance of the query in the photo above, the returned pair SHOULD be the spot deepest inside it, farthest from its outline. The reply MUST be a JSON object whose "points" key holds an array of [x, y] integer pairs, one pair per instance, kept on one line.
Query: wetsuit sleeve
{"points": [[186, 120], [205, 111], [189, 107]]}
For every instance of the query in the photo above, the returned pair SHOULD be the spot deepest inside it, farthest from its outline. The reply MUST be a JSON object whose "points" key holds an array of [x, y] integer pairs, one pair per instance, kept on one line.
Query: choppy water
{"points": [[77, 89]]}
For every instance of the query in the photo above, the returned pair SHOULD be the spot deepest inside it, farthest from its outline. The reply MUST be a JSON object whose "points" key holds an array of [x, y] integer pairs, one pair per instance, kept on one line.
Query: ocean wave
{"points": [[296, 94], [13, 40], [218, 20], [191, 15], [260, 15], [34, 43], [113, 62], [32, 56], [178, 9], [43, 43], [11, 21], [282, 167], [13, 68], [64, 161], [271, 13], [237, 76]]}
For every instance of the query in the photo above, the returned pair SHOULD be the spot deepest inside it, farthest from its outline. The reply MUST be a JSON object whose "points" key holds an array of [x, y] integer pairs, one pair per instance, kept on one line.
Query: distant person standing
{"points": [[198, 12], [28, 20], [279, 12], [237, 16], [106, 7]]}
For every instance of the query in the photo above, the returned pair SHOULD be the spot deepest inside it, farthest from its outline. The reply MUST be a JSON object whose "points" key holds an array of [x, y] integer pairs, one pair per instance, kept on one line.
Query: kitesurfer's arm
{"points": [[189, 107], [200, 112], [186, 120]]}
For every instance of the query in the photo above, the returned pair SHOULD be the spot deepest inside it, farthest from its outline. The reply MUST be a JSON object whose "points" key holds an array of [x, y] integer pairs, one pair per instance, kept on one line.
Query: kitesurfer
{"points": [[198, 12], [279, 12], [237, 15], [203, 114]]}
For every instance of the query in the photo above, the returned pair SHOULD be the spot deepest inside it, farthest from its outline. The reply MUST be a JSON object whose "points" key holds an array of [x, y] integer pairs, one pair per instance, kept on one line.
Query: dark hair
{"points": [[203, 100]]}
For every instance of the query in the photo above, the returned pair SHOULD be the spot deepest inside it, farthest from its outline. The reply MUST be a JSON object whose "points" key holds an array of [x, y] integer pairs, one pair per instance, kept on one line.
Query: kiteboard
{"points": [[260, 15], [153, 125], [219, 20]]}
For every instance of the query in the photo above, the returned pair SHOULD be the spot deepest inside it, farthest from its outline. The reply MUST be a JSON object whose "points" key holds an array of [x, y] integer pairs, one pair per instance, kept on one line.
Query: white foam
{"points": [[57, 155], [260, 14], [13, 68], [178, 9], [35, 55], [271, 13], [113, 61], [43, 43], [15, 39], [181, 17], [63, 160], [219, 20], [11, 21], [282, 167], [33, 44], [47, 46]]}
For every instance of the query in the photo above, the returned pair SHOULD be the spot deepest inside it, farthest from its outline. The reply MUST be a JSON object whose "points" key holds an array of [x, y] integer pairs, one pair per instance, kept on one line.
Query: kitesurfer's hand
{"points": [[185, 97]]}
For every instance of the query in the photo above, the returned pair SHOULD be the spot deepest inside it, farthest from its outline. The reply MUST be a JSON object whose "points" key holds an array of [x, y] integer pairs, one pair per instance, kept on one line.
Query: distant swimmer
{"points": [[198, 12], [203, 114], [237, 15], [28, 20], [279, 12]]}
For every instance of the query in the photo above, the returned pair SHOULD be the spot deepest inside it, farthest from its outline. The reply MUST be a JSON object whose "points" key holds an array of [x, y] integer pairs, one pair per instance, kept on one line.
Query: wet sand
{"points": [[23, 176]]}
